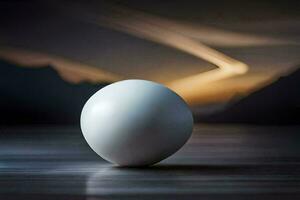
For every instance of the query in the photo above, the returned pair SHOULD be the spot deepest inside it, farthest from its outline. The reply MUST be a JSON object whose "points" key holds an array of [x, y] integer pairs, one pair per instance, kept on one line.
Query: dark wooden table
{"points": [[218, 162]]}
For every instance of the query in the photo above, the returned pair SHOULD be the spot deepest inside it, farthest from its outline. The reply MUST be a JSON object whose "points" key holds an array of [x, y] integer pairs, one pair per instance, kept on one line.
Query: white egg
{"points": [[136, 122]]}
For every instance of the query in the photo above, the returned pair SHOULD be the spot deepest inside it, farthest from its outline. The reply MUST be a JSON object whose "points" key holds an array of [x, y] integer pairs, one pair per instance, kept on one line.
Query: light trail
{"points": [[69, 70], [186, 37], [168, 33]]}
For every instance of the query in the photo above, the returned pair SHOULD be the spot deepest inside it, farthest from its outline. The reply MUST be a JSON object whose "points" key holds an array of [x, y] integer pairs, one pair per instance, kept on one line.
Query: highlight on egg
{"points": [[136, 122]]}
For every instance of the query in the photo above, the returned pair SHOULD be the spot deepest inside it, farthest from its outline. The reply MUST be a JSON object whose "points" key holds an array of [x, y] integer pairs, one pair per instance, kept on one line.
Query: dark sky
{"points": [[64, 28]]}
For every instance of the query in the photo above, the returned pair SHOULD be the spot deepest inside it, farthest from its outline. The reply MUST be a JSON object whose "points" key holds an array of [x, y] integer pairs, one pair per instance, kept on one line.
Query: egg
{"points": [[136, 122]]}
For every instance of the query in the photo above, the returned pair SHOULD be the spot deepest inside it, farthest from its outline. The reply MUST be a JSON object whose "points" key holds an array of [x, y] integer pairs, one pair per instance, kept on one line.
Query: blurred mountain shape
{"points": [[277, 104], [39, 96]]}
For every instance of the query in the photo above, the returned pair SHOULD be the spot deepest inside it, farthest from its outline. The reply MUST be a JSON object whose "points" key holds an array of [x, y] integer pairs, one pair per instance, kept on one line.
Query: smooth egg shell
{"points": [[136, 122]]}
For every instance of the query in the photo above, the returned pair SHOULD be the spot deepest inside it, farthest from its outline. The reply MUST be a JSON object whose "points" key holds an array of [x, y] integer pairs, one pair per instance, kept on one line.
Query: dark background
{"points": [[37, 89], [55, 54]]}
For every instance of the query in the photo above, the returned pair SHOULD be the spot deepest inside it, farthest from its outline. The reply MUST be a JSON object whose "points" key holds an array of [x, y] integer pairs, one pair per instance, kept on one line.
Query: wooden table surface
{"points": [[218, 162]]}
